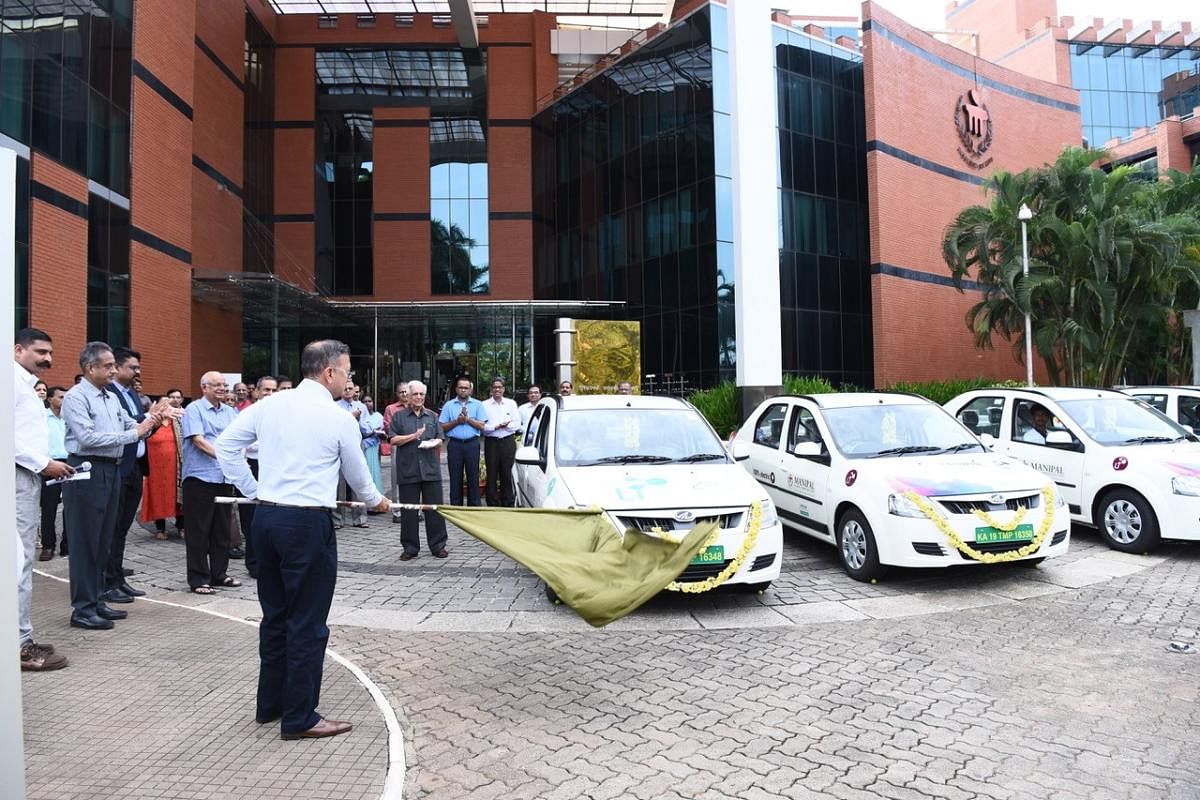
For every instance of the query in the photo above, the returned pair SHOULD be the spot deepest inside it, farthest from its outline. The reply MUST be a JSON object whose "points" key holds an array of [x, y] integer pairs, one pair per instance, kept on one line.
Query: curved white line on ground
{"points": [[393, 785]]}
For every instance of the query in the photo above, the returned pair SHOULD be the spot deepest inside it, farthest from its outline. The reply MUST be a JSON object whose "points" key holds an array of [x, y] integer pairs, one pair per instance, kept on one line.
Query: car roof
{"points": [[849, 399], [1186, 388], [601, 401], [1057, 392]]}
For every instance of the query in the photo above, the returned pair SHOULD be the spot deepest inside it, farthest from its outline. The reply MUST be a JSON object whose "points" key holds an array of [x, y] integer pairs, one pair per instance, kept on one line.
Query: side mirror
{"points": [[807, 449], [739, 450], [988, 440], [528, 455], [1058, 439]]}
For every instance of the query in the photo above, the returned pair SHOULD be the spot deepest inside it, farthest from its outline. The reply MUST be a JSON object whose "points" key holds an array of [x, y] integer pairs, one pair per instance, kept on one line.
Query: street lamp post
{"points": [[1025, 214]]}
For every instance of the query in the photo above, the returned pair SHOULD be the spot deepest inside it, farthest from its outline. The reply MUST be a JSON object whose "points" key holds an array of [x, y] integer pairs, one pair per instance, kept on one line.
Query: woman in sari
{"points": [[160, 492], [371, 443]]}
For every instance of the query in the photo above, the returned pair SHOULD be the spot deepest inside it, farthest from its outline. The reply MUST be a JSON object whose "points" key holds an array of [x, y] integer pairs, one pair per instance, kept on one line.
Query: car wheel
{"points": [[552, 596], [1127, 522], [856, 547]]}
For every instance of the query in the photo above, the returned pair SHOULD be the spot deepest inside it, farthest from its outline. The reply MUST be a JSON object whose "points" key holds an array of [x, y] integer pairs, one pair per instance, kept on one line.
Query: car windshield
{"points": [[1115, 420], [586, 437], [887, 430]]}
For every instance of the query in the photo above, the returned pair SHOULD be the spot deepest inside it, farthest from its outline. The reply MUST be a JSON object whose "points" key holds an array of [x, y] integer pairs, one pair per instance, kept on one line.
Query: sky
{"points": [[930, 14]]}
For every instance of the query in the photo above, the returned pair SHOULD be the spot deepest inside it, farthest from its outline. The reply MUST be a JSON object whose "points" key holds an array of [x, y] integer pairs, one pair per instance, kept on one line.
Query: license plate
{"points": [[713, 554], [988, 534]]}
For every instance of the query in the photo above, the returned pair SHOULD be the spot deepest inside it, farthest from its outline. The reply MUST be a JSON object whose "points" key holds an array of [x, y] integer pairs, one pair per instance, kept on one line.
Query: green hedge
{"points": [[720, 406]]}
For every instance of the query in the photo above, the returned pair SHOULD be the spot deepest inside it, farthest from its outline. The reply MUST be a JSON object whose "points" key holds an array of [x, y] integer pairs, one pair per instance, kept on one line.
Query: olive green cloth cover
{"points": [[600, 574]]}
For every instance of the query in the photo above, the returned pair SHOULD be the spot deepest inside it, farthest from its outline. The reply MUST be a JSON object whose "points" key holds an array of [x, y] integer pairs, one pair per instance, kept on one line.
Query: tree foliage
{"points": [[1113, 259]]}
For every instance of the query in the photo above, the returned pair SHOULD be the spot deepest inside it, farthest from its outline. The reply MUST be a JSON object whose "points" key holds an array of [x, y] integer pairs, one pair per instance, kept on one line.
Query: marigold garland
{"points": [[988, 519], [695, 587], [989, 558]]}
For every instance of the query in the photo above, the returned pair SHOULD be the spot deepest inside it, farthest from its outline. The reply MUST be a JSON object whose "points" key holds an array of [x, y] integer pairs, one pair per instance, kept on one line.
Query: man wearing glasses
{"points": [[208, 531]]}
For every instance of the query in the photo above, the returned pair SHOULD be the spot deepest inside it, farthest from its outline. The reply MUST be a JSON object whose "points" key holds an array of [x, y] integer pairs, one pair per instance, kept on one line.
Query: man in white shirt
{"points": [[534, 395], [32, 356], [293, 526], [500, 444], [352, 515]]}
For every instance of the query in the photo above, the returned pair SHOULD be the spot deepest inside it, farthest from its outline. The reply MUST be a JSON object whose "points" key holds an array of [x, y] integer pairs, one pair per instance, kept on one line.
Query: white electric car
{"points": [[846, 468], [1122, 467], [652, 463], [1180, 403]]}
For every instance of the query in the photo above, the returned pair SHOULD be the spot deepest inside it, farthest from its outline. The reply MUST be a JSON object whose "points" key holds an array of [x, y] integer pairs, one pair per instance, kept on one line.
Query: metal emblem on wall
{"points": [[974, 125]]}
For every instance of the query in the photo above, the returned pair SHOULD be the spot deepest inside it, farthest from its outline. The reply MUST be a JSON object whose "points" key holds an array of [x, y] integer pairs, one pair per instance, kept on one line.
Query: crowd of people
{"points": [[103, 450]]}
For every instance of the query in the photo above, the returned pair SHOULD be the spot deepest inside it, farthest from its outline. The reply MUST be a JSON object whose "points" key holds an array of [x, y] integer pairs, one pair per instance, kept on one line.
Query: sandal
{"points": [[161, 536], [230, 583], [203, 589]]}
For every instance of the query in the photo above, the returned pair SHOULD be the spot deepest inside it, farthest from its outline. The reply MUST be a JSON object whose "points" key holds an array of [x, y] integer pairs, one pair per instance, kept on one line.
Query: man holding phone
{"points": [[463, 419]]}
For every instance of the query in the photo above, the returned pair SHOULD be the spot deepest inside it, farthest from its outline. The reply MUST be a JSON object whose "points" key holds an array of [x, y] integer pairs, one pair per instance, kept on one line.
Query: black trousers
{"points": [[129, 495], [246, 518], [51, 497], [463, 454], [429, 492], [208, 540], [297, 571], [498, 453], [90, 514]]}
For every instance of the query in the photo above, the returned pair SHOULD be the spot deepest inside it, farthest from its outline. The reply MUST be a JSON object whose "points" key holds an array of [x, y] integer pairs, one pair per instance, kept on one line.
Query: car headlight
{"points": [[1186, 486], [769, 518], [901, 506]]}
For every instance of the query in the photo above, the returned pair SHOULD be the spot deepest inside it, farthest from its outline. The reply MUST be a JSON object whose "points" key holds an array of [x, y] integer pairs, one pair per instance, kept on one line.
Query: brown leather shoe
{"points": [[46, 554], [35, 658], [324, 728]]}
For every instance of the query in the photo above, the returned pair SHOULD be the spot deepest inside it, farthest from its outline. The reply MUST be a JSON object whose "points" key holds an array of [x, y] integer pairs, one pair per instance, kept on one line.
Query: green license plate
{"points": [[713, 554], [986, 535]]}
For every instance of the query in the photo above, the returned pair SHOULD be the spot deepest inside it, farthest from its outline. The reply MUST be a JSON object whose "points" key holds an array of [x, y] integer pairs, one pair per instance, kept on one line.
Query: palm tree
{"points": [[450, 257], [1107, 262]]}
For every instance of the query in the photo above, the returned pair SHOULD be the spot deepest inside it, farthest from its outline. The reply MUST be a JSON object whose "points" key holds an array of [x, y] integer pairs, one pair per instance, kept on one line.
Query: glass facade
{"points": [[351, 83], [1125, 87], [258, 164], [108, 272], [824, 276], [21, 256], [65, 83], [633, 202], [626, 198]]}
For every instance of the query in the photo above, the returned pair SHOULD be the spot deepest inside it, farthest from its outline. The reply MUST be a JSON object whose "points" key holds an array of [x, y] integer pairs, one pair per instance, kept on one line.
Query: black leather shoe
{"points": [[104, 612], [92, 623], [126, 572], [237, 552], [407, 556], [441, 553], [129, 590], [116, 596]]}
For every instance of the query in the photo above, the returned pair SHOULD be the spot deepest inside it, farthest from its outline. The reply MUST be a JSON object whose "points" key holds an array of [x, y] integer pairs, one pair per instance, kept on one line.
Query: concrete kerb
{"points": [[393, 786]]}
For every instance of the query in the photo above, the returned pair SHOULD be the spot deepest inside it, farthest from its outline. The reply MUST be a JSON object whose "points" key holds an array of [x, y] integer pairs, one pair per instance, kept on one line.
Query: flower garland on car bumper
{"points": [[748, 543], [990, 558]]}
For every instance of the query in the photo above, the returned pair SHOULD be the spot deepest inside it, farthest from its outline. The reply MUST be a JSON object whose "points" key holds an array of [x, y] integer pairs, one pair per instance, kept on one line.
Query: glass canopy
{"points": [[643, 8]]}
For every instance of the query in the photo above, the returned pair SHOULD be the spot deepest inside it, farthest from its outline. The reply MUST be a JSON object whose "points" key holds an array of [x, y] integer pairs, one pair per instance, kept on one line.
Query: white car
{"points": [[1123, 467], [841, 467], [1180, 403], [652, 463]]}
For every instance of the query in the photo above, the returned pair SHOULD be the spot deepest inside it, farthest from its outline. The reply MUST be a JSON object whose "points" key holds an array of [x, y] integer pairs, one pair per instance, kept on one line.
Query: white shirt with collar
{"points": [[305, 439], [30, 431], [498, 412]]}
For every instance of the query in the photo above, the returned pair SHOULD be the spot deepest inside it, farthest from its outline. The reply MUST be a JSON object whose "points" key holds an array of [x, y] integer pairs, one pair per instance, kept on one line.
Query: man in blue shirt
{"points": [[463, 419], [353, 515], [52, 495], [208, 527]]}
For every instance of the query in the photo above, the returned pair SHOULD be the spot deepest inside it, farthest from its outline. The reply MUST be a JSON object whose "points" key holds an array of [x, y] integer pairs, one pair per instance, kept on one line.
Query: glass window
{"points": [[768, 429]]}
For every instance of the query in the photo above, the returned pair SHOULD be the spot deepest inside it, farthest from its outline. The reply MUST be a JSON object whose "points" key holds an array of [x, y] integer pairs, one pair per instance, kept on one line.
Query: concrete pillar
{"points": [[1192, 320], [564, 363], [755, 158], [12, 752]]}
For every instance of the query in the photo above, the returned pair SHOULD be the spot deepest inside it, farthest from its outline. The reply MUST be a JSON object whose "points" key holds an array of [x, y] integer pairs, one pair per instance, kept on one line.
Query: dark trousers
{"points": [[51, 497], [129, 495], [246, 517], [90, 514], [161, 524], [297, 570], [463, 454], [208, 527], [429, 492], [498, 453]]}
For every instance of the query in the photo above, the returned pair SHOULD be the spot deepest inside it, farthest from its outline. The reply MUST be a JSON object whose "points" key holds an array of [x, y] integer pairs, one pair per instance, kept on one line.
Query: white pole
{"points": [[12, 752], [1025, 215]]}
